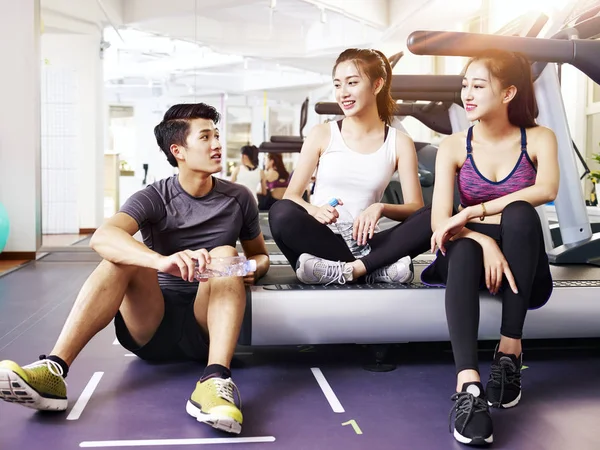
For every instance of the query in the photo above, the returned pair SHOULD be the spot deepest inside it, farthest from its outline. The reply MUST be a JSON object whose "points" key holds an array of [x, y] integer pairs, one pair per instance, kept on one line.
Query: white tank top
{"points": [[249, 178], [358, 179]]}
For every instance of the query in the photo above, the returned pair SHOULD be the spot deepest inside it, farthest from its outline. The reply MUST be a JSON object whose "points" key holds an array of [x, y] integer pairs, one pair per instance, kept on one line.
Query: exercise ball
{"points": [[4, 227]]}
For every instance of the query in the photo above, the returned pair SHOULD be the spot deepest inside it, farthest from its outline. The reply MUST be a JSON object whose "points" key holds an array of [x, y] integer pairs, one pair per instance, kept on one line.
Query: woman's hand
{"points": [[326, 214], [496, 267], [364, 224], [447, 230]]}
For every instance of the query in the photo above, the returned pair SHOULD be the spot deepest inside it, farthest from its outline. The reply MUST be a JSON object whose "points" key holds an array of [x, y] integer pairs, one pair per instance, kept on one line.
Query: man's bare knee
{"points": [[116, 271], [223, 251], [132, 275]]}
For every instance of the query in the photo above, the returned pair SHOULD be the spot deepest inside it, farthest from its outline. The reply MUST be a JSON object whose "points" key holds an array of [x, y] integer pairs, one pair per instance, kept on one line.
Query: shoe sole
{"points": [[473, 441], [222, 423], [13, 389], [508, 405], [412, 275]]}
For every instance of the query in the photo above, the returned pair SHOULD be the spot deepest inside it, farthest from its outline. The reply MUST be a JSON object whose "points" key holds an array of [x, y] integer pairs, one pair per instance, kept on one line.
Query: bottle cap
{"points": [[333, 202], [252, 265]]}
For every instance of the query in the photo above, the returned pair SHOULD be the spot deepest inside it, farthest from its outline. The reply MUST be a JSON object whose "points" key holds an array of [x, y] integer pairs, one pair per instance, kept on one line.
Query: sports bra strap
{"points": [[469, 137], [523, 140]]}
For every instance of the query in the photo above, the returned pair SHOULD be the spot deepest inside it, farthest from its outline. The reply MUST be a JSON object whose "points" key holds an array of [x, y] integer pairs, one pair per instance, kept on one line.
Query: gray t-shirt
{"points": [[171, 220]]}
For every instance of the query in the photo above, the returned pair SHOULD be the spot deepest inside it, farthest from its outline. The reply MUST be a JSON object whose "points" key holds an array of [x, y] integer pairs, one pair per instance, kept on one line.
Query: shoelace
{"points": [[226, 388], [465, 403], [504, 373], [334, 270], [53, 366]]}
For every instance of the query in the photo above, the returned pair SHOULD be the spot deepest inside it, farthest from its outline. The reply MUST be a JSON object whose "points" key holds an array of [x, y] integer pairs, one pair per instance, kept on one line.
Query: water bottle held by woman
{"points": [[345, 225]]}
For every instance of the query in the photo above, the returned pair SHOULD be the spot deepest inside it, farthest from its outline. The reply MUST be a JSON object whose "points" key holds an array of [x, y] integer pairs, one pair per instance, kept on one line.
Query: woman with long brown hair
{"points": [[276, 175], [354, 160], [505, 166]]}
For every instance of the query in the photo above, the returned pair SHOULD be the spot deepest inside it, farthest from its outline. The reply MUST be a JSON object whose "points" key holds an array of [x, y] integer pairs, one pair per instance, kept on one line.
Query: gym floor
{"points": [[293, 397]]}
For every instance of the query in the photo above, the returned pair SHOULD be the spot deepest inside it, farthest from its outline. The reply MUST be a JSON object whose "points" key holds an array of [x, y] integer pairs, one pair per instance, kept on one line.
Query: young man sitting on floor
{"points": [[160, 311]]}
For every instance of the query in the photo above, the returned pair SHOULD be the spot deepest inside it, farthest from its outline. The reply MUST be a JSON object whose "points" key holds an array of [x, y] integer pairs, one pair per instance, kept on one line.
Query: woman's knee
{"points": [[280, 210], [282, 215], [520, 217], [465, 250]]}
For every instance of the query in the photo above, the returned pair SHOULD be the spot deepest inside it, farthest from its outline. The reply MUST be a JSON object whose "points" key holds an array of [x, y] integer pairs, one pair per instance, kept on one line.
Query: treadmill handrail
{"points": [[433, 96], [433, 115], [426, 83], [401, 109], [580, 53]]}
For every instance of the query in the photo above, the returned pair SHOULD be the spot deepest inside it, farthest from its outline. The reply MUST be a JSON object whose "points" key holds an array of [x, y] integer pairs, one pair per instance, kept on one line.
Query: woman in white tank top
{"points": [[248, 173], [354, 160]]}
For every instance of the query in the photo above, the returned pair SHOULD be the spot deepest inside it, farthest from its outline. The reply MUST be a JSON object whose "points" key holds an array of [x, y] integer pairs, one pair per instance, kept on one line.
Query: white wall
{"points": [[20, 123], [146, 115], [59, 150], [83, 59]]}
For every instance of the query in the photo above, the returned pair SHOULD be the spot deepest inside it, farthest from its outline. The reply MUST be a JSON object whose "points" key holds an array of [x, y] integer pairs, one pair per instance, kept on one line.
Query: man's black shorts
{"points": [[178, 337]]}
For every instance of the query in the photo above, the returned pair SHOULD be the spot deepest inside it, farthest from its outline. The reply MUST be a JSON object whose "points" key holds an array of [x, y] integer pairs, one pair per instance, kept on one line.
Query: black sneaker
{"points": [[504, 385], [472, 420]]}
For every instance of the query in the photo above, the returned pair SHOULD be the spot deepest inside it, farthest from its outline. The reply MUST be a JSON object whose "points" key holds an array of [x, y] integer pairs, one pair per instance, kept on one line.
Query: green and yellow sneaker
{"points": [[212, 402], [39, 385]]}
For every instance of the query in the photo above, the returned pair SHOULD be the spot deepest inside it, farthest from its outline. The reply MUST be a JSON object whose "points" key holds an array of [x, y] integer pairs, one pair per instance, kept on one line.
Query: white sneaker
{"points": [[402, 271], [313, 270]]}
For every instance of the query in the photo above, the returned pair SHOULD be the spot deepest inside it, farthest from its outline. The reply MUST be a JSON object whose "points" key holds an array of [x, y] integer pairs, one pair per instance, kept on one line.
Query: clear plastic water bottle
{"points": [[345, 225], [230, 266]]}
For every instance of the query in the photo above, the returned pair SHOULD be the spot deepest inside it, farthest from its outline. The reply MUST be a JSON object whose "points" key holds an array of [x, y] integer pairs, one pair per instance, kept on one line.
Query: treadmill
{"points": [[281, 311]]}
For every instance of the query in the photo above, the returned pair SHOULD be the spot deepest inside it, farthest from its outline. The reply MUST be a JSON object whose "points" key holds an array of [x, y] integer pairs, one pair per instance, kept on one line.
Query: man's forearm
{"points": [[118, 246]]}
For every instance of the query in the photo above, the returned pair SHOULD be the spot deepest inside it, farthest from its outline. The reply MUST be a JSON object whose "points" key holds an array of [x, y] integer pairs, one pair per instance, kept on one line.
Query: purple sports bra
{"points": [[475, 189], [277, 184]]}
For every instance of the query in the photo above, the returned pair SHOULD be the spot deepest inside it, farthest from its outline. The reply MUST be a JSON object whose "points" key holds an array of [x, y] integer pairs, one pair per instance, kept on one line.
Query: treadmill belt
{"points": [[281, 276], [338, 287], [414, 285]]}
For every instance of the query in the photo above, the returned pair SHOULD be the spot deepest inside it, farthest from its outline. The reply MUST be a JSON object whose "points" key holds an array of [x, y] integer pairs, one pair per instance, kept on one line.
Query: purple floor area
{"points": [[403, 409]]}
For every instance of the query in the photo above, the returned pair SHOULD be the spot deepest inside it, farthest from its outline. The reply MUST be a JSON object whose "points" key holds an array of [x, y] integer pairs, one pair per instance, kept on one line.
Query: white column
{"points": [[84, 66], [259, 129], [20, 123]]}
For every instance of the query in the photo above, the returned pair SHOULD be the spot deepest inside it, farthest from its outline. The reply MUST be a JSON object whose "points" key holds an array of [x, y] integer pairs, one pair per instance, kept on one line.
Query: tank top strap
{"points": [[385, 131], [335, 139], [469, 138], [523, 140]]}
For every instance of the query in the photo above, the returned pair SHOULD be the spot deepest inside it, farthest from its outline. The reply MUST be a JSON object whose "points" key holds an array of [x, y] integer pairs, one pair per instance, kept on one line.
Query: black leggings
{"points": [[520, 238], [295, 231]]}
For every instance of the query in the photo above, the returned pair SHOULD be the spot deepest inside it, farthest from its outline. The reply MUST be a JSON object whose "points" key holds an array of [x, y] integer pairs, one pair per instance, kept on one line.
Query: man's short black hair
{"points": [[175, 126]]}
